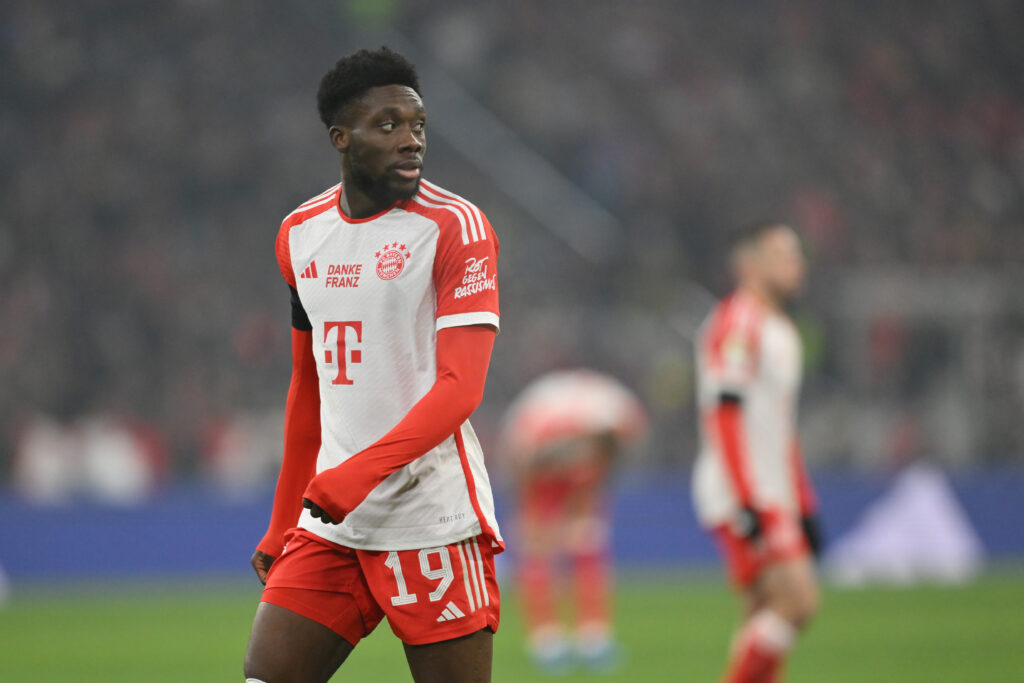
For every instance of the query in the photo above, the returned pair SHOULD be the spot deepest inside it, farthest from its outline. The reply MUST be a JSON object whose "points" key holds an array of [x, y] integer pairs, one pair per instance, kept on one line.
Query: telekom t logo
{"points": [[345, 355]]}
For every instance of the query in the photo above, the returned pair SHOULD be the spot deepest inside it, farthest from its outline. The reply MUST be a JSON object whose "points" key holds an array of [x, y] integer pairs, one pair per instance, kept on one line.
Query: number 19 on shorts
{"points": [[433, 576], [443, 574]]}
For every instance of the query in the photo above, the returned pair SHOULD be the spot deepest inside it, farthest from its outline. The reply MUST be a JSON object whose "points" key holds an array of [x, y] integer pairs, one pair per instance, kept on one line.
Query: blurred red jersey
{"points": [[564, 406], [749, 373]]}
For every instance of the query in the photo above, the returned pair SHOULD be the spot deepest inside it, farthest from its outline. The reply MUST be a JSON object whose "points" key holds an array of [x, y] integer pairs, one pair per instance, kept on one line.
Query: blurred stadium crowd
{"points": [[149, 153]]}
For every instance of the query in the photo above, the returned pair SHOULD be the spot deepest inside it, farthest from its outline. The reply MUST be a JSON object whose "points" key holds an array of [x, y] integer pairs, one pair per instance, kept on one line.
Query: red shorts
{"points": [[428, 595], [556, 491], [781, 539]]}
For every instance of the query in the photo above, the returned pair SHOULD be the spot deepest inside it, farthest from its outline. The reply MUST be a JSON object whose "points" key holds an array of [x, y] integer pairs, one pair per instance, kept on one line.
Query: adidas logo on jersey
{"points": [[451, 613], [310, 271]]}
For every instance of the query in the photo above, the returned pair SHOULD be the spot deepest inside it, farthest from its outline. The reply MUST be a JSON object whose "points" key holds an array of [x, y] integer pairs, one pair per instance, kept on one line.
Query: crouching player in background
{"points": [[561, 438], [750, 486]]}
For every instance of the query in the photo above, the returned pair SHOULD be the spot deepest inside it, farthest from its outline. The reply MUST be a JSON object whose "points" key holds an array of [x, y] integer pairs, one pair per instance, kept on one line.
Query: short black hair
{"points": [[353, 75]]}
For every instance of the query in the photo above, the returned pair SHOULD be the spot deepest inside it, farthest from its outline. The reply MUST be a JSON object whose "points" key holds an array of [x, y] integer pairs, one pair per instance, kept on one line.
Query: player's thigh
{"points": [[790, 587], [460, 660], [542, 513], [285, 647], [589, 488]]}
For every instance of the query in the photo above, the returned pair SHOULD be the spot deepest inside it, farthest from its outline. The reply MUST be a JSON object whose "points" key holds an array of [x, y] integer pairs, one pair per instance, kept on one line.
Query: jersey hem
{"points": [[454, 537]]}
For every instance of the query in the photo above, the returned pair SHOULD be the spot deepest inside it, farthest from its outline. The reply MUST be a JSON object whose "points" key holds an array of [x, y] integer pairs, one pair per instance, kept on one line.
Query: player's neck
{"points": [[760, 295], [361, 200], [358, 205]]}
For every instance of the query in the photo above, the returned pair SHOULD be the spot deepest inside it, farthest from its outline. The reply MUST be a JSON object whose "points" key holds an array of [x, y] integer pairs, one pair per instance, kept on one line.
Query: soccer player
{"points": [[750, 486], [383, 506], [561, 437]]}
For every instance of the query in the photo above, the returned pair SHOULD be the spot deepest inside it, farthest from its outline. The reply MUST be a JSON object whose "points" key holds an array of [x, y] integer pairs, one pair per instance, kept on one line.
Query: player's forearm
{"points": [[728, 422], [301, 443], [463, 355], [806, 496]]}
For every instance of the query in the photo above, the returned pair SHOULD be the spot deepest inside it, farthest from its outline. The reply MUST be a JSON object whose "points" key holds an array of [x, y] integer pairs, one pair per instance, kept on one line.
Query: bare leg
{"points": [[460, 660], [587, 542], [782, 601], [790, 589], [285, 647]]}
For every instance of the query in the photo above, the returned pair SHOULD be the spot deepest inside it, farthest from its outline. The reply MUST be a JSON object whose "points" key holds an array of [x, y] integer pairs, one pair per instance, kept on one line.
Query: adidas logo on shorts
{"points": [[451, 612]]}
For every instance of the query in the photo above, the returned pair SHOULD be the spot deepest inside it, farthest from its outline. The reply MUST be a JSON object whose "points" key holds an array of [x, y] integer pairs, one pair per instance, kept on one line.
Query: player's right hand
{"points": [[318, 512], [748, 523], [261, 563]]}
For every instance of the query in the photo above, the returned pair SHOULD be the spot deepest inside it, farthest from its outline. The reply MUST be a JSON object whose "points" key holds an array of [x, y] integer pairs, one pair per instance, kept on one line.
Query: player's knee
{"points": [[255, 669], [805, 605], [797, 605], [587, 536], [251, 670], [258, 675]]}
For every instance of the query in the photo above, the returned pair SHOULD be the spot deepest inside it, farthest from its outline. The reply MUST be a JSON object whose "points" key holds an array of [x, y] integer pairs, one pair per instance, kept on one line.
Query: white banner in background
{"points": [[917, 531]]}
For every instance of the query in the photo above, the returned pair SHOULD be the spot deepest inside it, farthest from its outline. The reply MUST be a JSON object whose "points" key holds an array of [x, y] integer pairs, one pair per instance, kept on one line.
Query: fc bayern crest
{"points": [[391, 260]]}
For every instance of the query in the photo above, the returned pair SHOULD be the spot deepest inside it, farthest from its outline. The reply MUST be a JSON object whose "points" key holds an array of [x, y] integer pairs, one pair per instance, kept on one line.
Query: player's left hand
{"points": [[261, 563], [318, 512], [812, 533], [748, 523]]}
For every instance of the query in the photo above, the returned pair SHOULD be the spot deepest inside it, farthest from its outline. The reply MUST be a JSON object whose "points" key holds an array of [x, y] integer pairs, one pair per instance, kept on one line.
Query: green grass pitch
{"points": [[673, 629]]}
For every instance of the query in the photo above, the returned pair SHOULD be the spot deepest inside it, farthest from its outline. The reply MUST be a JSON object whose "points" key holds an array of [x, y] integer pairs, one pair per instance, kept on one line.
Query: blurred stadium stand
{"points": [[149, 152]]}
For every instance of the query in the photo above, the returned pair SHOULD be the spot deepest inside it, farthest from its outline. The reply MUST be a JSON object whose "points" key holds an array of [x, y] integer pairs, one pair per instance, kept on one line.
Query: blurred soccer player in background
{"points": [[750, 486], [561, 437], [394, 314]]}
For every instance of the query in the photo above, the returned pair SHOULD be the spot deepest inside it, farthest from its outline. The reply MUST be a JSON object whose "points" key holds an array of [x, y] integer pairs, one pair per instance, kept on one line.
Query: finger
{"points": [[261, 572], [317, 511], [325, 518]]}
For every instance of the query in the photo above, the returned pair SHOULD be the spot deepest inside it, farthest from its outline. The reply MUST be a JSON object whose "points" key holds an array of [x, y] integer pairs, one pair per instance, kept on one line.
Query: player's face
{"points": [[385, 143], [782, 263]]}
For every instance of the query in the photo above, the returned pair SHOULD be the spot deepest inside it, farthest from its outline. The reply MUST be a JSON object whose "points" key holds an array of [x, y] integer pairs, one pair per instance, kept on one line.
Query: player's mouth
{"points": [[410, 170]]}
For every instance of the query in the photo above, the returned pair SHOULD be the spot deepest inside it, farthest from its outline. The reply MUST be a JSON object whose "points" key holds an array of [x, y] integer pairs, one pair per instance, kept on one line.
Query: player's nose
{"points": [[410, 143]]}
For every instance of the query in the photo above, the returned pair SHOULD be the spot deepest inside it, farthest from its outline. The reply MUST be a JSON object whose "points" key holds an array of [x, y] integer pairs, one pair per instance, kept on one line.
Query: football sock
{"points": [[761, 649], [592, 582], [537, 588]]}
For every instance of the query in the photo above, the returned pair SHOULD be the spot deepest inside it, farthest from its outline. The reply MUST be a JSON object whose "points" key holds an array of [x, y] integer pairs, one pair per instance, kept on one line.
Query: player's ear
{"points": [[340, 137]]}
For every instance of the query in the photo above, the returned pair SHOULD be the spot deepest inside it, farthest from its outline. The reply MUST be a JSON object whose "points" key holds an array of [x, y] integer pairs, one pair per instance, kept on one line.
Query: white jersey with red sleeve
{"points": [[570, 404], [377, 291], [750, 357]]}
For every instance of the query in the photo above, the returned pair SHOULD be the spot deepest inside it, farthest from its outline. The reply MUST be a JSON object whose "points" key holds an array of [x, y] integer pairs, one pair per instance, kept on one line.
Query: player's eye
{"points": [[419, 126], [388, 126]]}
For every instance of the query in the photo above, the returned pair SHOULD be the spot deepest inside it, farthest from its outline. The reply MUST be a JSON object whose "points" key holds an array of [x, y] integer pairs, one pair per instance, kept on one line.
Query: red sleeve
{"points": [[466, 273], [728, 424], [301, 443], [463, 355], [806, 497], [733, 347], [284, 253]]}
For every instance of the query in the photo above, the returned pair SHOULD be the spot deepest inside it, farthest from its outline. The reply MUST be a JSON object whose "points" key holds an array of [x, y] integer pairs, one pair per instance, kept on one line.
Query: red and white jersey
{"points": [[376, 291], [749, 353], [566, 405]]}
